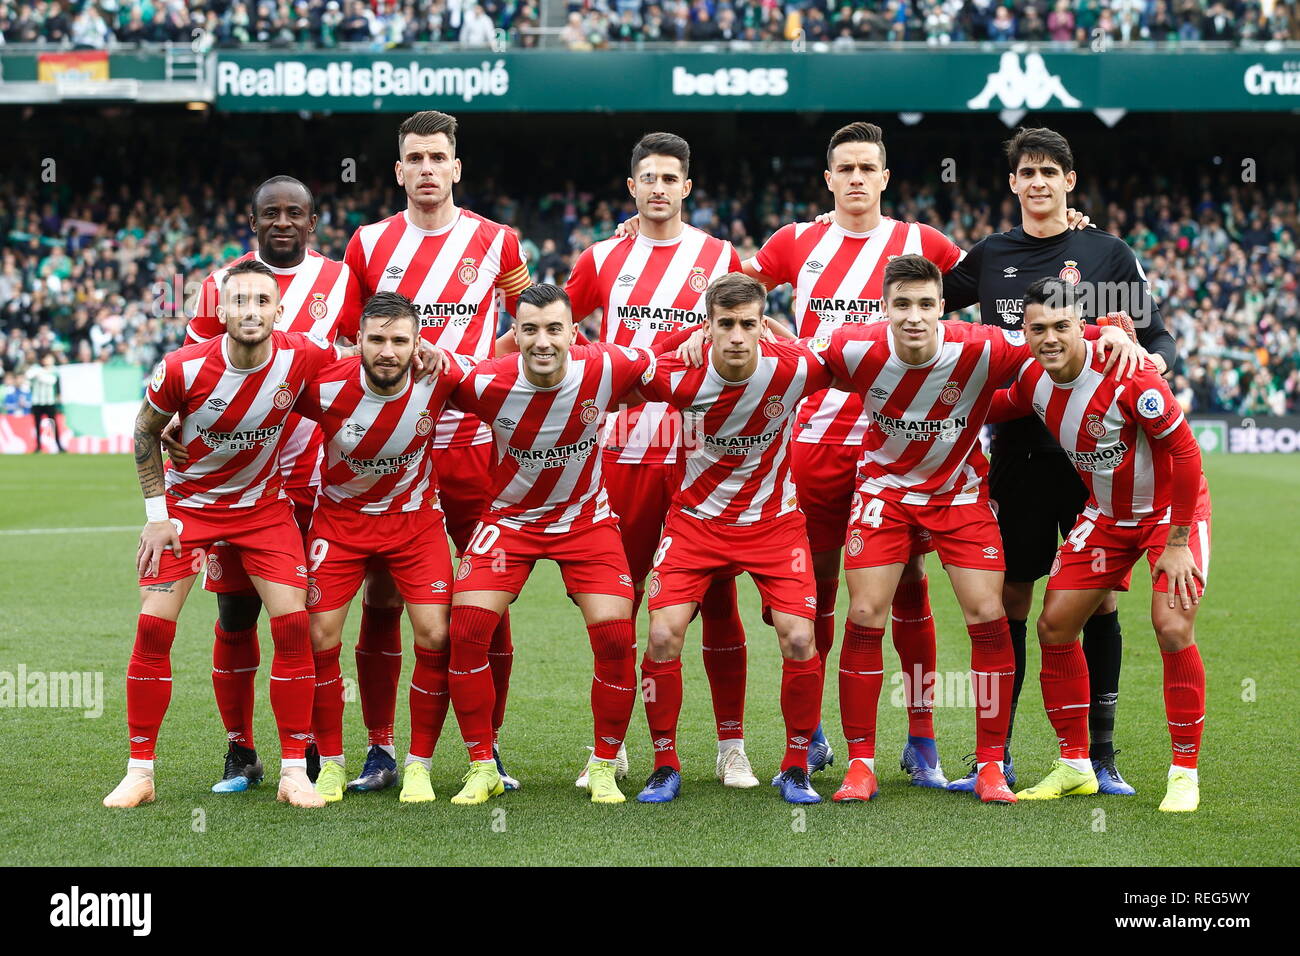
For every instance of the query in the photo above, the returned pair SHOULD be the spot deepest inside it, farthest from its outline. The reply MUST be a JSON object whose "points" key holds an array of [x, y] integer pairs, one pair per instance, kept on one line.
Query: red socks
{"points": [[913, 634], [293, 683], [661, 689], [148, 683], [327, 703], [824, 622], [429, 699], [470, 679], [379, 667], [613, 686], [235, 658], [501, 658], [1185, 703], [993, 674], [725, 657], [801, 706], [1065, 695], [862, 673]]}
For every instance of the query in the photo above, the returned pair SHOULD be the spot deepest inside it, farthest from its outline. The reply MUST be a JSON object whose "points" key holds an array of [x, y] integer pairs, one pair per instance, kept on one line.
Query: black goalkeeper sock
{"points": [[1017, 629], [1103, 647]]}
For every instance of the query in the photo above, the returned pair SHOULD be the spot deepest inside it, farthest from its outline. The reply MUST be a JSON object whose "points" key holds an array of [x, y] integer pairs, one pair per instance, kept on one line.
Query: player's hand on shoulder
{"points": [[428, 362], [171, 439], [155, 538], [1076, 220], [628, 227], [774, 330], [1123, 354], [691, 351]]}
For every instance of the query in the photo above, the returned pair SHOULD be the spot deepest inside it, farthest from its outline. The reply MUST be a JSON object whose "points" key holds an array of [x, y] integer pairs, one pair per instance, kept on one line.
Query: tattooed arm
{"points": [[159, 533]]}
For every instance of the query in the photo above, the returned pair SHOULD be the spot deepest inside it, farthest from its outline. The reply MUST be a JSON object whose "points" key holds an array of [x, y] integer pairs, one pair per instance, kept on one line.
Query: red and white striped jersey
{"points": [[232, 419], [319, 295], [838, 278], [736, 435], [647, 289], [548, 475], [457, 277], [1128, 440], [923, 444], [376, 446]]}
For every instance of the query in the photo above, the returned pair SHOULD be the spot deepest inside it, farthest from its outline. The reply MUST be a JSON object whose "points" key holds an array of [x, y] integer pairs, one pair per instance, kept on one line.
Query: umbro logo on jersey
{"points": [[393, 270], [355, 428], [879, 393], [991, 552], [1009, 272], [814, 266], [506, 423], [626, 280], [217, 404]]}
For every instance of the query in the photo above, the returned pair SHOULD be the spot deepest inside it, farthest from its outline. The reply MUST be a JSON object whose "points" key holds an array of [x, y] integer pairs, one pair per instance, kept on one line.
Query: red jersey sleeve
{"points": [[205, 324], [833, 351], [350, 314], [657, 386], [513, 277], [733, 262], [166, 391], [774, 258], [581, 287], [939, 249], [630, 367], [1153, 406], [355, 259], [1010, 403]]}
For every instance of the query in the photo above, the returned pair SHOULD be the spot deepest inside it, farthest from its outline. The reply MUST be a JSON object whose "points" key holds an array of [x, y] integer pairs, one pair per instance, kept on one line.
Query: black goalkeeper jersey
{"points": [[997, 270]]}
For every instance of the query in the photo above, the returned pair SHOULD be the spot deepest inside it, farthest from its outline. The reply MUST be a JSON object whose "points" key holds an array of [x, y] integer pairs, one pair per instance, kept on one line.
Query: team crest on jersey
{"points": [[313, 595], [318, 309], [774, 407], [1070, 272], [283, 397], [214, 567], [854, 545], [697, 280], [655, 585], [468, 271], [424, 424], [1094, 427], [1056, 566], [589, 411], [951, 393], [466, 565], [159, 374]]}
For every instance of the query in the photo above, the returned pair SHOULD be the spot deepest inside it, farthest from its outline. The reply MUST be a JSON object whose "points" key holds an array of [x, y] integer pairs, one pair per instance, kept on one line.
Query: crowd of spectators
{"points": [[98, 24], [102, 272]]}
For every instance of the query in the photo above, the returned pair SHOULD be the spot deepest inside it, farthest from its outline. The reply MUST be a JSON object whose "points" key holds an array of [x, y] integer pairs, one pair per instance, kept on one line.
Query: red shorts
{"points": [[464, 491], [885, 532], [775, 554], [225, 571], [641, 496], [1101, 554], [268, 542], [411, 545], [827, 477], [500, 558]]}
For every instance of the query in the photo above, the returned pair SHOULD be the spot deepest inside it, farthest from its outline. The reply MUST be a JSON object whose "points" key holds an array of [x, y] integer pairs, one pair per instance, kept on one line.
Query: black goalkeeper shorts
{"points": [[1039, 496]]}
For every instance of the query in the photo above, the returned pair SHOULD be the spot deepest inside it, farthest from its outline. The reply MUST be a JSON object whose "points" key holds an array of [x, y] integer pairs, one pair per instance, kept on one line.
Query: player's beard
{"points": [[389, 376], [279, 260], [252, 340]]}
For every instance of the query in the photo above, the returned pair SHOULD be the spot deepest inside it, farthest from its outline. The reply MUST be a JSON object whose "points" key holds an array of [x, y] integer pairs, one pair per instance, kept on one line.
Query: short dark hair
{"points": [[389, 305], [911, 268], [662, 144], [732, 290], [250, 266], [287, 181], [427, 123], [857, 133], [1051, 293], [544, 294], [1039, 142]]}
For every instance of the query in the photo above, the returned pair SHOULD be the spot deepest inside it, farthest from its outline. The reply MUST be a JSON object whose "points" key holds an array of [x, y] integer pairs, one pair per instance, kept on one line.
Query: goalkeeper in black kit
{"points": [[1037, 491]]}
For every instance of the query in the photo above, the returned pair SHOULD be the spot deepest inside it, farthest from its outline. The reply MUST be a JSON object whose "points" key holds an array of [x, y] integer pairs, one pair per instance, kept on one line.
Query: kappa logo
{"points": [[1028, 87], [217, 404]]}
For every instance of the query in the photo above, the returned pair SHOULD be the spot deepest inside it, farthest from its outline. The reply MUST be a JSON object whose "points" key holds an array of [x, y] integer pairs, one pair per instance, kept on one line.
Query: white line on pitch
{"points": [[115, 527]]}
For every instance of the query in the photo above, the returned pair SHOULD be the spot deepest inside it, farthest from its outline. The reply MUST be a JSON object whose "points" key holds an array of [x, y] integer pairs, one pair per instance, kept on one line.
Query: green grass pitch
{"points": [[70, 603]]}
